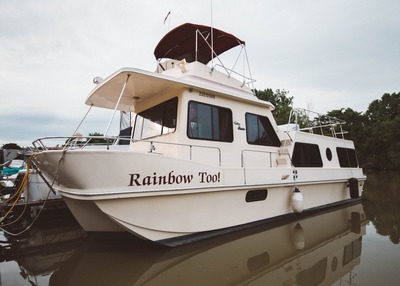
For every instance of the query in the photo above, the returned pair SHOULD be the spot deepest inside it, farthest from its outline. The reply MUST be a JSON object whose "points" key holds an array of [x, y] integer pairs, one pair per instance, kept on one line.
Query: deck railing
{"points": [[75, 142], [112, 143], [313, 122]]}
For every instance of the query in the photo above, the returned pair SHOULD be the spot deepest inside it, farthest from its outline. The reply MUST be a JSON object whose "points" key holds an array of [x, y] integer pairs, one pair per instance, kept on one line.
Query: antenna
{"points": [[212, 36], [169, 20]]}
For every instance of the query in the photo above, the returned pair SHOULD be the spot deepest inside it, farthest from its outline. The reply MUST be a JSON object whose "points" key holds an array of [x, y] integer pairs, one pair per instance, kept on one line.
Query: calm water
{"points": [[352, 245]]}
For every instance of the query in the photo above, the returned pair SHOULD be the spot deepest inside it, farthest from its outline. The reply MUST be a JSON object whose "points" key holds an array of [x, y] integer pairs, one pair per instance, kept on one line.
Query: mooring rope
{"points": [[16, 197], [27, 199]]}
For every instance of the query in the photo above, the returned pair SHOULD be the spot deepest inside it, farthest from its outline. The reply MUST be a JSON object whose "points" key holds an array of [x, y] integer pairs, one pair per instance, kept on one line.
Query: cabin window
{"points": [[347, 157], [156, 121], [209, 122], [306, 155], [259, 131]]}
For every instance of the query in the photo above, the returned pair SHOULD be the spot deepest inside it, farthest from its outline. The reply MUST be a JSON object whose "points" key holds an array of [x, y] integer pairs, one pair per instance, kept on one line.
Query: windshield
{"points": [[157, 120]]}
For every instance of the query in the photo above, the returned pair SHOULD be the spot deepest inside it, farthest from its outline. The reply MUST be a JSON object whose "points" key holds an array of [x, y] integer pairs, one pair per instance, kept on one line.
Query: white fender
{"points": [[299, 237], [297, 201]]}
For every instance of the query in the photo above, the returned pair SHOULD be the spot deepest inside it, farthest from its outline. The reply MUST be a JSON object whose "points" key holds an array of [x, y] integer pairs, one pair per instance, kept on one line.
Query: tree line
{"points": [[375, 132]]}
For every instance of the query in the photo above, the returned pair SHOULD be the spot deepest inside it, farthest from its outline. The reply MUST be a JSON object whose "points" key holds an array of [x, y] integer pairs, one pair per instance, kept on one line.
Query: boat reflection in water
{"points": [[316, 250], [51, 240]]}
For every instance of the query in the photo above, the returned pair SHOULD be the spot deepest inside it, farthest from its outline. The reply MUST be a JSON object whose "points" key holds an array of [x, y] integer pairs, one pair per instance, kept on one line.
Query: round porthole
{"points": [[328, 154]]}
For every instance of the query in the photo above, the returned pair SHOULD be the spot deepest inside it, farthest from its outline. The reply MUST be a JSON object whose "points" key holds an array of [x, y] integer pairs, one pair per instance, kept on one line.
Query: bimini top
{"points": [[180, 43]]}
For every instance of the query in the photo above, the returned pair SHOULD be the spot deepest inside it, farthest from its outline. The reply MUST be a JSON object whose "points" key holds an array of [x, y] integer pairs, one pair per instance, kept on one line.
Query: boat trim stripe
{"points": [[203, 189]]}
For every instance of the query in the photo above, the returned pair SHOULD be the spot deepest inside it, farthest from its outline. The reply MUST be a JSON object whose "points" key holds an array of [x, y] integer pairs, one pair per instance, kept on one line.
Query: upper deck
{"points": [[182, 55]]}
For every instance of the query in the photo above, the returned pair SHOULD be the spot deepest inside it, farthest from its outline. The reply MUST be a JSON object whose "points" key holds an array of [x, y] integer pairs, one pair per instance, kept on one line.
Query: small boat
{"points": [[22, 187], [203, 155], [12, 167]]}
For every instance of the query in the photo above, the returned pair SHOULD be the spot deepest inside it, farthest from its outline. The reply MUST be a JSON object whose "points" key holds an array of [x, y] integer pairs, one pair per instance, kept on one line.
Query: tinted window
{"points": [[259, 131], [306, 155], [156, 121], [347, 157], [209, 122]]}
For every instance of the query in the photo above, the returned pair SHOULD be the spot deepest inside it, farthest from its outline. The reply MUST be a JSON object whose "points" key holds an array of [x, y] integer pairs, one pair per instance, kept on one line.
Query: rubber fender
{"points": [[353, 185], [355, 222], [297, 201]]}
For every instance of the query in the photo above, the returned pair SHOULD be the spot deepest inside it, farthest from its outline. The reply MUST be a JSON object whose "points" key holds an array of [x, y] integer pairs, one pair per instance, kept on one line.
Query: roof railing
{"points": [[313, 122], [203, 38]]}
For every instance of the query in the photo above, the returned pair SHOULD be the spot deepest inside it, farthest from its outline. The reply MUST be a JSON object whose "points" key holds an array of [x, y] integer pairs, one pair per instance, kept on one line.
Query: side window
{"points": [[156, 121], [259, 131], [306, 155], [347, 157], [209, 122]]}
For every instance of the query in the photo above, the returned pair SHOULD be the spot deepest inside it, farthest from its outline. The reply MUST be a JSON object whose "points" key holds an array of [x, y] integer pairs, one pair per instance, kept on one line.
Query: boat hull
{"points": [[173, 202], [170, 217]]}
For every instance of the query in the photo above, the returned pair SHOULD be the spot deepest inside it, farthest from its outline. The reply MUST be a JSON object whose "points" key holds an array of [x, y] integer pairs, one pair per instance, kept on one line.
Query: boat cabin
{"points": [[193, 110]]}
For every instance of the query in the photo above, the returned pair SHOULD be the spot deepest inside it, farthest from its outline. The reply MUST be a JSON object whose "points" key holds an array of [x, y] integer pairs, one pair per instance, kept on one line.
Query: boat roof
{"points": [[180, 43], [142, 85]]}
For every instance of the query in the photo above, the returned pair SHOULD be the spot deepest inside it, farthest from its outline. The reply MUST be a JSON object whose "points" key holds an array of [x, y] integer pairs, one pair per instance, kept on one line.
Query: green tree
{"points": [[385, 109], [378, 140], [280, 99], [353, 122], [97, 140]]}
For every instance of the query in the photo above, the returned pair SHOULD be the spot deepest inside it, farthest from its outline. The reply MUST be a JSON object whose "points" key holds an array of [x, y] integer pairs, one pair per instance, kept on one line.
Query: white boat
{"points": [[205, 156]]}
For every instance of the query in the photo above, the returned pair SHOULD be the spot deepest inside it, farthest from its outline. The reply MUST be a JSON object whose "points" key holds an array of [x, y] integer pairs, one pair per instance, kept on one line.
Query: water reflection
{"points": [[39, 251], [381, 200], [317, 250], [311, 251]]}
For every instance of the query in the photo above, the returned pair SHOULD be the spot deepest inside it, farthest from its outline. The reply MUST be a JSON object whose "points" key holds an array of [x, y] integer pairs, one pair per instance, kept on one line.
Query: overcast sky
{"points": [[327, 54]]}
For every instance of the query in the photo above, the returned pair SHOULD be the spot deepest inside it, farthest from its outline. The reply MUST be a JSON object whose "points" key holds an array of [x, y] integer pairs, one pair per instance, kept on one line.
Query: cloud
{"points": [[328, 54], [23, 128]]}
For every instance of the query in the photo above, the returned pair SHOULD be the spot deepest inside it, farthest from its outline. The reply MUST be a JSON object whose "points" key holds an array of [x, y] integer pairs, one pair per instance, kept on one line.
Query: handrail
{"points": [[76, 142], [190, 146], [231, 71], [270, 153]]}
